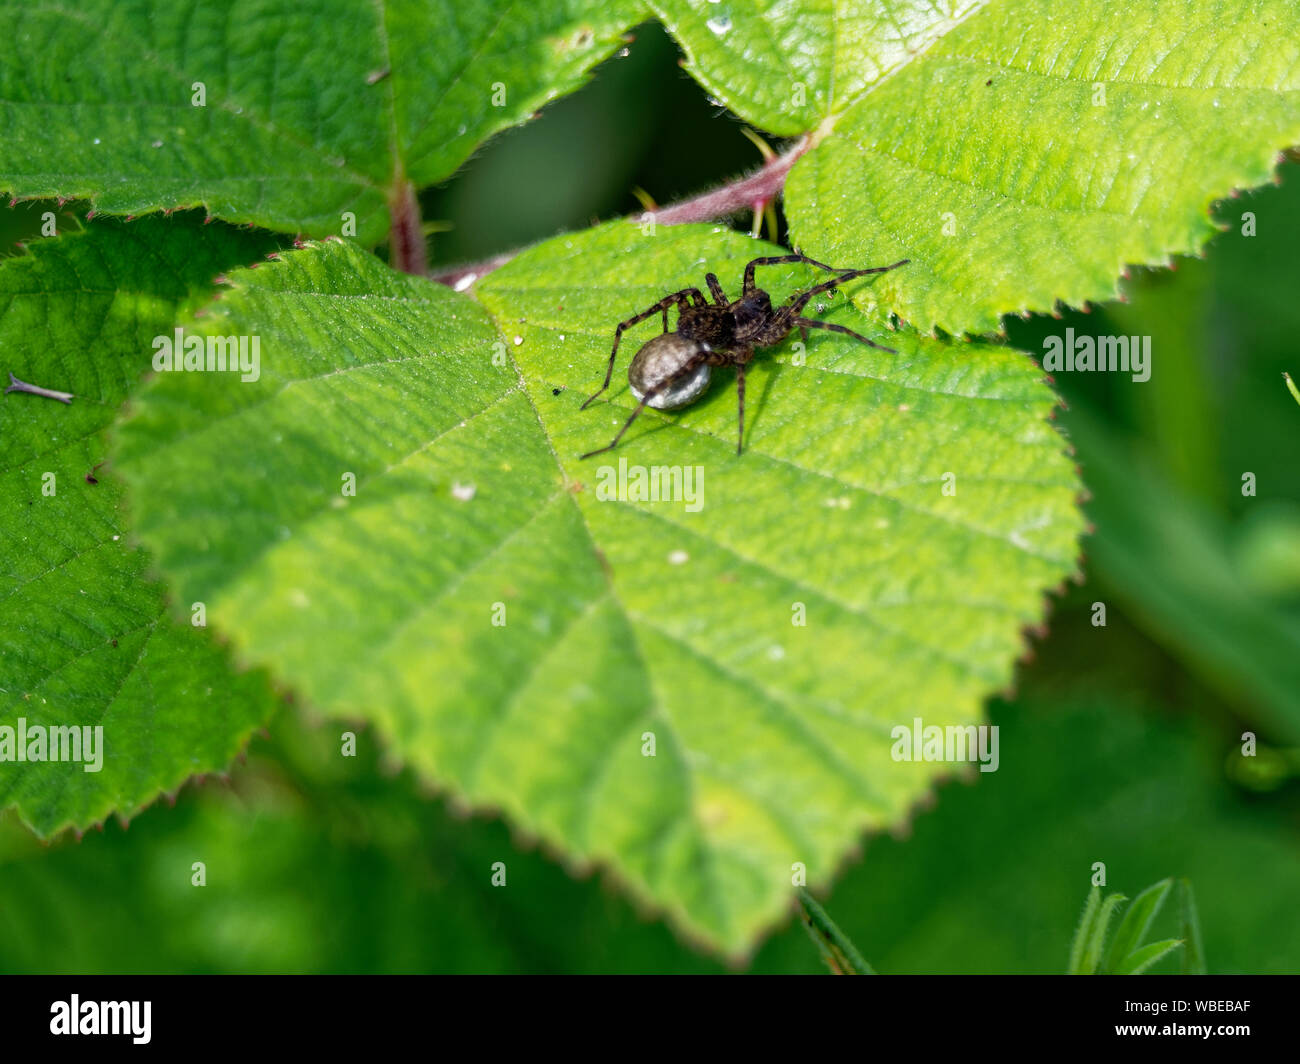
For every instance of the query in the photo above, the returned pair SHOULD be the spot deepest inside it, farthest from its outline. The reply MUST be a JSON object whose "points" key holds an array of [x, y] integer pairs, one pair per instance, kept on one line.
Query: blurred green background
{"points": [[1120, 744]]}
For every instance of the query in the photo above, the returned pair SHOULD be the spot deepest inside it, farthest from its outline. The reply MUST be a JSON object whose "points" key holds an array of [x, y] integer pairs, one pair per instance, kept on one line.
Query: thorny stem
{"points": [[406, 246], [763, 186], [15, 385]]}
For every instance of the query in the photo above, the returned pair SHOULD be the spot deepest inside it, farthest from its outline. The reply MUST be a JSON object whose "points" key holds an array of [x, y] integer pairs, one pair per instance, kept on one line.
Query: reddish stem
{"points": [[406, 247], [762, 186]]}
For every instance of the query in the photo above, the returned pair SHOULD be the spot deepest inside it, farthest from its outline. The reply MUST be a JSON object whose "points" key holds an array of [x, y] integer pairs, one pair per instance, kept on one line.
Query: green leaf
{"points": [[1140, 960], [311, 109], [785, 67], [1027, 156], [1136, 923], [1194, 952], [616, 620], [1090, 963], [84, 639], [1083, 932]]}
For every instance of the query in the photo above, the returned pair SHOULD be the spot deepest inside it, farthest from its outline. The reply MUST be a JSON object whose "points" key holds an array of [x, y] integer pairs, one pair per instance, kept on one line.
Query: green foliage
{"points": [[1026, 158], [471, 504], [84, 638], [1166, 558], [840, 954], [1128, 954], [1019, 158], [1020, 155], [1193, 947], [788, 67], [317, 863], [310, 109]]}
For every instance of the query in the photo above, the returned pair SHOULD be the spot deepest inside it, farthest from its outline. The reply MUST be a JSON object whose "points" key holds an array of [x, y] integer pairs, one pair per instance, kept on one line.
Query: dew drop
{"points": [[720, 23]]}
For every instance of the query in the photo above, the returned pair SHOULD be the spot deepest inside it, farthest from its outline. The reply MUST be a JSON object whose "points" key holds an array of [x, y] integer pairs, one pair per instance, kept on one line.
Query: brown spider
{"points": [[673, 369]]}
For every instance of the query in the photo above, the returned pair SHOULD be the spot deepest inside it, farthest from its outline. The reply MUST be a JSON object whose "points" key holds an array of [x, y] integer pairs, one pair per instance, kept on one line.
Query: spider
{"points": [[673, 369]]}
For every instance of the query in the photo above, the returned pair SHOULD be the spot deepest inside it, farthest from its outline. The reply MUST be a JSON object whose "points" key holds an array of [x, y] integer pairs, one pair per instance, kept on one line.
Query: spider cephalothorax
{"points": [[673, 369]]}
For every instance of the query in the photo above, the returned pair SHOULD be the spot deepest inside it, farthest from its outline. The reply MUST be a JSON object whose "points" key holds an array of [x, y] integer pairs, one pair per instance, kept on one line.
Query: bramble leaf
{"points": [[526, 641], [84, 639], [1020, 156], [283, 113], [786, 67]]}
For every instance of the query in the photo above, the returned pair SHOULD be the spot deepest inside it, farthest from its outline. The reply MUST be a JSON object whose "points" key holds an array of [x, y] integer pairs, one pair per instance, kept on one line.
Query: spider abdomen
{"points": [[659, 370]]}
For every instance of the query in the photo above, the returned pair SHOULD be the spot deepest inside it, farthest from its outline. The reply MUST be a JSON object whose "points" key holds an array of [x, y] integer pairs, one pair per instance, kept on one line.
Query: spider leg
{"points": [[696, 295], [780, 260], [688, 367], [801, 300], [715, 286], [813, 323], [680, 298], [626, 425]]}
